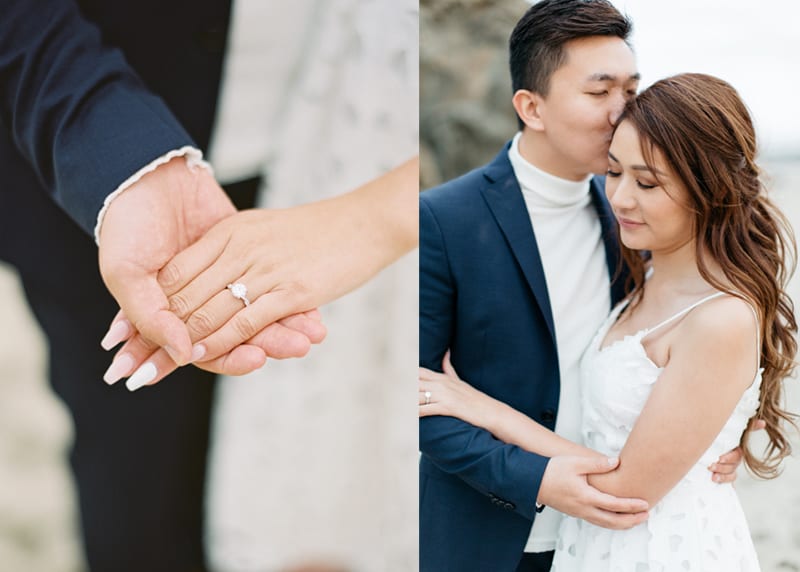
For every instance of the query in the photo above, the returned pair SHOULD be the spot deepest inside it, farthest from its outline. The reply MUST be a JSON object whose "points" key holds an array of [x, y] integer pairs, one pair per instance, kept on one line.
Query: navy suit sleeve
{"points": [[494, 468], [75, 109]]}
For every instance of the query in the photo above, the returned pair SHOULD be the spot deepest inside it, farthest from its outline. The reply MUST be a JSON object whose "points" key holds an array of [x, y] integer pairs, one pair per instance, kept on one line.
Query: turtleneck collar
{"points": [[544, 189]]}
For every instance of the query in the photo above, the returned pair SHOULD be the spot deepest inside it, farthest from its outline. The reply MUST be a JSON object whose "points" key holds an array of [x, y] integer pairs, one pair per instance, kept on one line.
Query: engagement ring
{"points": [[239, 291]]}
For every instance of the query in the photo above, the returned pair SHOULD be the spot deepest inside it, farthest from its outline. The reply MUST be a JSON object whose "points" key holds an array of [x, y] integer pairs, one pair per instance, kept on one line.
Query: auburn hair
{"points": [[705, 133]]}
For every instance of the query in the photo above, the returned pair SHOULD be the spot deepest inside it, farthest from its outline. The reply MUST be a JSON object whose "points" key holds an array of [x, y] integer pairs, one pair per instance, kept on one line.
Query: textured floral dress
{"points": [[699, 525]]}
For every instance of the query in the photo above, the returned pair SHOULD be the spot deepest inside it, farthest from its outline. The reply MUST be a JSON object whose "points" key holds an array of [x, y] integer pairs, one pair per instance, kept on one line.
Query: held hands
{"points": [[144, 228], [290, 261]]}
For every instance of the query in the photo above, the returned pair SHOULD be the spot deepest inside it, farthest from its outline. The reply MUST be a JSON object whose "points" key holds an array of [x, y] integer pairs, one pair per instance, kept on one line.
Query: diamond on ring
{"points": [[427, 397], [239, 292]]}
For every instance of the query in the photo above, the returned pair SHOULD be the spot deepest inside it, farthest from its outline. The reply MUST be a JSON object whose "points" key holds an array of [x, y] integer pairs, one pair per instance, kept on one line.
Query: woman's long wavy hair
{"points": [[704, 131]]}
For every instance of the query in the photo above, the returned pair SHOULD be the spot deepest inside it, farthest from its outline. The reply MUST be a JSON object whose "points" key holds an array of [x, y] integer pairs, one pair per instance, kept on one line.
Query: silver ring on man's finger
{"points": [[427, 395], [239, 292]]}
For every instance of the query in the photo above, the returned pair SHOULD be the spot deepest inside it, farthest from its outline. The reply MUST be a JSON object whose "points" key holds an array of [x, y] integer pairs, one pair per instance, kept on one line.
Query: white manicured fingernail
{"points": [[142, 376], [198, 351], [119, 368], [115, 334], [612, 461]]}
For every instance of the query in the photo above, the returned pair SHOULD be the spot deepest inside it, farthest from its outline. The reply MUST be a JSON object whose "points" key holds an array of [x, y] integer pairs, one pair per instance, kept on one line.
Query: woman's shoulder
{"points": [[723, 328]]}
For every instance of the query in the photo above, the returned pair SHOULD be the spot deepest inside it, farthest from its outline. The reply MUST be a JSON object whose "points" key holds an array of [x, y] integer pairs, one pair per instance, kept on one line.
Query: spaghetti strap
{"points": [[683, 312], [758, 332]]}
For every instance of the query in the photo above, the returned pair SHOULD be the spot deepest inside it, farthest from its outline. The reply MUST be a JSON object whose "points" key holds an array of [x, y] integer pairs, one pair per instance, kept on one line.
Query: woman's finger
{"points": [[129, 357], [428, 374], [190, 262], [447, 367], [229, 308], [120, 330], [215, 282], [155, 368], [244, 324]]}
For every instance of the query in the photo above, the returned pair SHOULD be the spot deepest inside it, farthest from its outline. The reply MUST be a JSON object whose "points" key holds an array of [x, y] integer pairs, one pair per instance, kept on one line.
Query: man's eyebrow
{"points": [[610, 77]]}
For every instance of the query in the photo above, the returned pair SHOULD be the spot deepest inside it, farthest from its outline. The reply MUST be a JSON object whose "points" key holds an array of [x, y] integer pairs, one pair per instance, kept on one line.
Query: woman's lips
{"points": [[628, 223]]}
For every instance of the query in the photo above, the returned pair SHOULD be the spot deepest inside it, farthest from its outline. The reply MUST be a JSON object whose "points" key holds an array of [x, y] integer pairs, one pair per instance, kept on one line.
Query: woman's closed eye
{"points": [[642, 185]]}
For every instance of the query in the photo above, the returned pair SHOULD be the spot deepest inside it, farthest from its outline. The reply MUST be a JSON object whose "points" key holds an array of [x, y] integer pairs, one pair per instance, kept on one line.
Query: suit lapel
{"points": [[504, 198]]}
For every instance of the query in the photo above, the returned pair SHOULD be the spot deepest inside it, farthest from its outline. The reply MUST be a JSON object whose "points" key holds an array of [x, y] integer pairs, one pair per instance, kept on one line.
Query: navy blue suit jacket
{"points": [[78, 117], [483, 295]]}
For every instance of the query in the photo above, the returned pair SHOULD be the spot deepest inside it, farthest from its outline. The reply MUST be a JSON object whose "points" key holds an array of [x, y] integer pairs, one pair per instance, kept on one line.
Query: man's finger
{"points": [[611, 503], [595, 465], [120, 330], [614, 520], [281, 342], [732, 457], [241, 360], [723, 468], [128, 358], [146, 307], [447, 366], [310, 327], [724, 477]]}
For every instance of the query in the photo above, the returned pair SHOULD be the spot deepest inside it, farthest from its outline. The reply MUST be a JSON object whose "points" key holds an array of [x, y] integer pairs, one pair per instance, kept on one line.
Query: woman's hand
{"points": [[447, 394]]}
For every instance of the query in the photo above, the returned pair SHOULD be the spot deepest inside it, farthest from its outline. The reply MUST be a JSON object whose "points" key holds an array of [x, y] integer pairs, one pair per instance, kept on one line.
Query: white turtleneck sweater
{"points": [[568, 235]]}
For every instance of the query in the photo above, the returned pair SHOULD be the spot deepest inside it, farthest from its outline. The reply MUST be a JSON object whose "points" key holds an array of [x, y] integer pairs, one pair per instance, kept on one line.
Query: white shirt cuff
{"points": [[193, 156]]}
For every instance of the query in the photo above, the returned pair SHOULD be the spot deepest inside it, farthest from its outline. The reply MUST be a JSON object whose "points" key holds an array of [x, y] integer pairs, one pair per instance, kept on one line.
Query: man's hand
{"points": [[143, 229], [565, 488], [724, 470]]}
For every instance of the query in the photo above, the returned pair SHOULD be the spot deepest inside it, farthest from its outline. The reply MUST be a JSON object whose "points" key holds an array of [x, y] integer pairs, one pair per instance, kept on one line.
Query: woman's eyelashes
{"points": [[642, 185]]}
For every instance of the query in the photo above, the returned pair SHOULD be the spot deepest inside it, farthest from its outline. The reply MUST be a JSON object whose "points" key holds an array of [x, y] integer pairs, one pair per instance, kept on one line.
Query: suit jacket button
{"points": [[548, 416], [508, 506]]}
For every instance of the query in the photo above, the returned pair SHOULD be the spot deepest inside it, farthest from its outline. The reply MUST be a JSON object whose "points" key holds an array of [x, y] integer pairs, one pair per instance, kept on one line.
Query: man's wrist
{"points": [[193, 156]]}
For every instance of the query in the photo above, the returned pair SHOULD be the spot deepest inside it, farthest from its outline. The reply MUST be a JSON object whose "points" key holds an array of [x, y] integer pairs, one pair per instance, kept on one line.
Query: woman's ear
{"points": [[528, 105]]}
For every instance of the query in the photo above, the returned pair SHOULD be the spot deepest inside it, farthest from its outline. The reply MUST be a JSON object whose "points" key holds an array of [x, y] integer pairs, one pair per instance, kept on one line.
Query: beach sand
{"points": [[38, 522]]}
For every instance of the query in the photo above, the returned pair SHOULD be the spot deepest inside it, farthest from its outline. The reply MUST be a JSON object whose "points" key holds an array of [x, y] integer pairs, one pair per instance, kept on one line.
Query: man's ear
{"points": [[528, 107]]}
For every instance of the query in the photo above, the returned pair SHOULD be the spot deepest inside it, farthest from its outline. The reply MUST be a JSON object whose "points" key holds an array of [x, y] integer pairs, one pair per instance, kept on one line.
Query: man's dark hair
{"points": [[536, 46]]}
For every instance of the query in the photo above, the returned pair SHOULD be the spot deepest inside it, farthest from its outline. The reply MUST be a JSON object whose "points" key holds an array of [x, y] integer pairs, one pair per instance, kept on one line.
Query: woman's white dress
{"points": [[314, 459], [699, 526]]}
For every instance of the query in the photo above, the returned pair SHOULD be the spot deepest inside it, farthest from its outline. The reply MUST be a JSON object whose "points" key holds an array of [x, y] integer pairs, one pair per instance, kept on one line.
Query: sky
{"points": [[755, 46]]}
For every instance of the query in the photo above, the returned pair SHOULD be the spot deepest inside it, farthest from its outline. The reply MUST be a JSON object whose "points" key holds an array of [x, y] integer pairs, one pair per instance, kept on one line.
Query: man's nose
{"points": [[617, 104]]}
